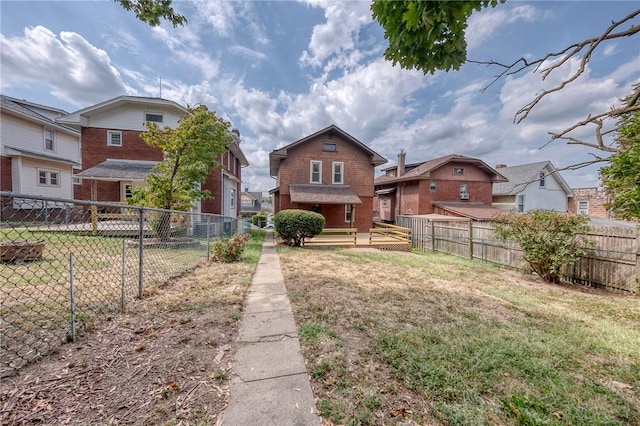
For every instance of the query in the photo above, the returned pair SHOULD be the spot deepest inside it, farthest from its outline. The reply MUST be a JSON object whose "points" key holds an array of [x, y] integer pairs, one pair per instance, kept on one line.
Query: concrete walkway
{"points": [[270, 384]]}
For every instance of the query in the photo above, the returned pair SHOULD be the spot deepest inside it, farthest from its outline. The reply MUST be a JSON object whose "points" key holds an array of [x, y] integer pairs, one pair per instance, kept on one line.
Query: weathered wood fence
{"points": [[613, 261]]}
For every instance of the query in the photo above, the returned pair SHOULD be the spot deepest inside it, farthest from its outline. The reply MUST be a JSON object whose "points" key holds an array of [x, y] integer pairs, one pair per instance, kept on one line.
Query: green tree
{"points": [[621, 177], [426, 35], [189, 152], [151, 11], [549, 240]]}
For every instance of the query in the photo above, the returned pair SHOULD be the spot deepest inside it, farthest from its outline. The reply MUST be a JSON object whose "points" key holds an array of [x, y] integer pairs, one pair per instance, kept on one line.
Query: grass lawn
{"points": [[413, 338]]}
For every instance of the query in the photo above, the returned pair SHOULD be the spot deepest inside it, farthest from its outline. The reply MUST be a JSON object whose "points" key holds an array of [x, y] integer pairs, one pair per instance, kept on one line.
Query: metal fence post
{"points": [[141, 255], [72, 297], [122, 278]]}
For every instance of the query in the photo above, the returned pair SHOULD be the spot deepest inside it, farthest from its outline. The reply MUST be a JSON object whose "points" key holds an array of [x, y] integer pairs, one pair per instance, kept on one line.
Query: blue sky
{"points": [[281, 70]]}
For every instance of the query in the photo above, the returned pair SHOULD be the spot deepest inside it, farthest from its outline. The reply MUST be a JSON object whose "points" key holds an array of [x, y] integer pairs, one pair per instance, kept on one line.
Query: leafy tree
{"points": [[189, 152], [549, 240], [429, 36], [426, 35], [293, 225], [621, 178], [151, 11]]}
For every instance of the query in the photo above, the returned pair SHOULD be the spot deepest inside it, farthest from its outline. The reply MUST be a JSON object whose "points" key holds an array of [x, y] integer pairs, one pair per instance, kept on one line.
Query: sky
{"points": [[281, 70]]}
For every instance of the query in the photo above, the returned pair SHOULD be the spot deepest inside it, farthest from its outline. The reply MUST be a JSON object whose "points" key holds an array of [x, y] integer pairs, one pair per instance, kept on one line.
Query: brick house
{"points": [[115, 158], [329, 172], [37, 154], [590, 202], [453, 185]]}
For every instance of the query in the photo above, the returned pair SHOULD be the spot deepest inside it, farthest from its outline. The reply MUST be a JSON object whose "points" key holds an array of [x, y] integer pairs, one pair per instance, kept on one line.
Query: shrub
{"points": [[549, 240], [293, 226], [229, 250], [259, 220]]}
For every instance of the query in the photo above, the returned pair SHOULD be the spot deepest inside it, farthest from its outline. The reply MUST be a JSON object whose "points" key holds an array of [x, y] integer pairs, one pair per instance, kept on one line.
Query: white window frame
{"points": [[311, 164], [340, 164], [458, 171], [110, 134], [151, 113], [543, 184], [53, 139], [77, 180], [232, 198], [48, 177], [433, 185], [520, 203], [348, 213], [584, 211]]}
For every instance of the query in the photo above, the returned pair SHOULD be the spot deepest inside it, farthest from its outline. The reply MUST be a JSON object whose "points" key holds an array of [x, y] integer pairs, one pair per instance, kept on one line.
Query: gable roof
{"points": [[277, 155], [34, 112], [79, 118], [522, 175], [423, 170]]}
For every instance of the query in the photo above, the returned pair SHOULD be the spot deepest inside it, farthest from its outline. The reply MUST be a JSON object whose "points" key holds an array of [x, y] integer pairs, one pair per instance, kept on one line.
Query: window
{"points": [[520, 203], [337, 172], [49, 140], [153, 117], [542, 182], [463, 188], [232, 198], [114, 138], [385, 202], [348, 213], [583, 208], [77, 180], [329, 147], [316, 172], [48, 178], [127, 191], [433, 186], [458, 170]]}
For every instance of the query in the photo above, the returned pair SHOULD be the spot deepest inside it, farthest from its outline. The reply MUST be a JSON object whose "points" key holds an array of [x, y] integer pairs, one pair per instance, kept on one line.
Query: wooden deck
{"points": [[383, 237]]}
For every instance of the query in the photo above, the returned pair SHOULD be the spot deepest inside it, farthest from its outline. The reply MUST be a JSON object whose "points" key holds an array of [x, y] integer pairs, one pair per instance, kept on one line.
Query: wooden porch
{"points": [[382, 236]]}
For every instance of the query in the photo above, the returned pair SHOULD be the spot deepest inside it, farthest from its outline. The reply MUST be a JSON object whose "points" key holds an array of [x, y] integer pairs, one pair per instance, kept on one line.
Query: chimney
{"points": [[500, 166], [401, 158]]}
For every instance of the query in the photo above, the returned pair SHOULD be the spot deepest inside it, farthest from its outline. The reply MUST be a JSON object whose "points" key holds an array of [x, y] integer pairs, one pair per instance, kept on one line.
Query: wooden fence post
{"points": [[471, 239], [94, 219], [637, 250], [433, 235]]}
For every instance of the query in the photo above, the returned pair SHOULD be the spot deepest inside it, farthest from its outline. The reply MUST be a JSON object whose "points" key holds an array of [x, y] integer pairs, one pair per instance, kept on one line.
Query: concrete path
{"points": [[270, 384]]}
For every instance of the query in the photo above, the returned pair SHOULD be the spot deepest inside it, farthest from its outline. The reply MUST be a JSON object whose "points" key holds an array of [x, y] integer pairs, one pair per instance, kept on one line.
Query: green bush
{"points": [[259, 220], [229, 250], [549, 240], [293, 226]]}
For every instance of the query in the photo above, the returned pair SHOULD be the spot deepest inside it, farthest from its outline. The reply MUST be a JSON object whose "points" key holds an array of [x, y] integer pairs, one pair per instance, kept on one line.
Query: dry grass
{"points": [[432, 339]]}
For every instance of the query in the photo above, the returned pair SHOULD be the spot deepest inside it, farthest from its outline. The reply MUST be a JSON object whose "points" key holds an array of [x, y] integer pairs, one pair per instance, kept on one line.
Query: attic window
{"points": [[458, 170], [329, 147], [153, 117], [542, 182]]}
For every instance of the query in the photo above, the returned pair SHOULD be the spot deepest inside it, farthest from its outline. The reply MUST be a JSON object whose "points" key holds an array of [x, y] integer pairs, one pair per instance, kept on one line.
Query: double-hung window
{"points": [[114, 138], [48, 178], [316, 172], [520, 203], [338, 172], [583, 208], [542, 182], [348, 213], [49, 140]]}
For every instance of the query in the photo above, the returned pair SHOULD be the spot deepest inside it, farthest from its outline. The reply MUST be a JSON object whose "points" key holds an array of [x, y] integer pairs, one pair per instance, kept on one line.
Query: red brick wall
{"points": [[597, 201], [357, 170], [6, 184]]}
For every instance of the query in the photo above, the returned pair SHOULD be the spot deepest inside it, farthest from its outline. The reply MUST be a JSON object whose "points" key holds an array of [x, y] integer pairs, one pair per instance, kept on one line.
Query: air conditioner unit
{"points": [[464, 196]]}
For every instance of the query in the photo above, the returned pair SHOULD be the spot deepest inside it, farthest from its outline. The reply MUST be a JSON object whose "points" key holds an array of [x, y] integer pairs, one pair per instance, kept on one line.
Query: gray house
{"points": [[534, 186]]}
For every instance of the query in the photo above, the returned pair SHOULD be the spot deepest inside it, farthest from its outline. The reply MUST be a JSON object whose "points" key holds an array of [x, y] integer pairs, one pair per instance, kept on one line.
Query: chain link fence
{"points": [[66, 264]]}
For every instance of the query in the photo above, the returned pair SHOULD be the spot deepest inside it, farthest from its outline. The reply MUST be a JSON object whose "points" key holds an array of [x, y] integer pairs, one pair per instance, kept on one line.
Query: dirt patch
{"points": [[166, 361]]}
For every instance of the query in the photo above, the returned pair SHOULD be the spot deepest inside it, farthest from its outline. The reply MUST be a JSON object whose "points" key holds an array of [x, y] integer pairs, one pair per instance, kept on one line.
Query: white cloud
{"points": [[484, 24], [185, 48], [76, 71], [247, 53]]}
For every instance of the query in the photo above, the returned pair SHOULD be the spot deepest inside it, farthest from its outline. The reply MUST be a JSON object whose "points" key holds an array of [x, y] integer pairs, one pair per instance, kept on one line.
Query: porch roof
{"points": [[116, 170], [323, 194]]}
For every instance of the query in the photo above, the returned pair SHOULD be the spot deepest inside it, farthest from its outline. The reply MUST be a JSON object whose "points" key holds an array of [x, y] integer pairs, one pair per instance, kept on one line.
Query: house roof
{"points": [[11, 151], [423, 170], [29, 111], [522, 175], [323, 194], [119, 170], [475, 211], [276, 156], [78, 118]]}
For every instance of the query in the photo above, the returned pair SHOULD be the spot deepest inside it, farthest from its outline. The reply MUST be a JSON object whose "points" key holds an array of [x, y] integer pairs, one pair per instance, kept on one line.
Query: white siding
{"points": [[132, 117], [549, 197], [28, 182]]}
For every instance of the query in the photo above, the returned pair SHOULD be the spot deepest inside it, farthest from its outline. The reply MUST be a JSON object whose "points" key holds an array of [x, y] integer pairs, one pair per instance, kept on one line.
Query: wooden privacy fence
{"points": [[613, 261]]}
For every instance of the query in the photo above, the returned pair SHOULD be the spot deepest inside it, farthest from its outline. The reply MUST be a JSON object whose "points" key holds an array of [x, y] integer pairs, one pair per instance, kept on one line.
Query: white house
{"points": [[37, 154], [534, 186]]}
